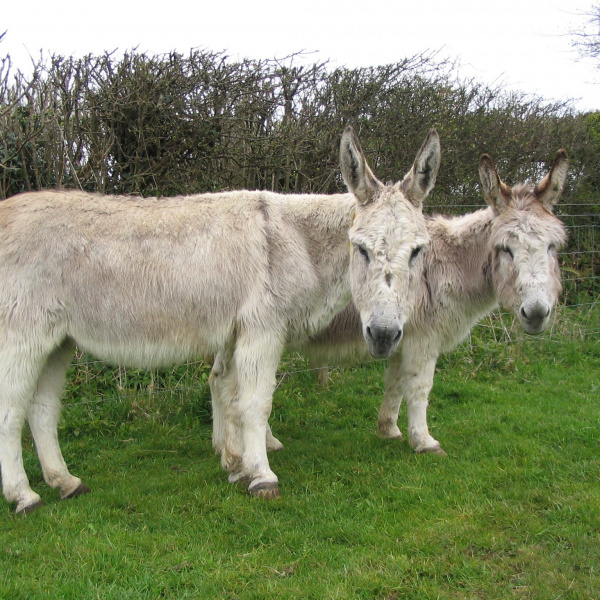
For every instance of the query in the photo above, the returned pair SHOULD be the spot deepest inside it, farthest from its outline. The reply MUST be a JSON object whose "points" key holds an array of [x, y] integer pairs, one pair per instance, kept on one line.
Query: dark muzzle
{"points": [[383, 340]]}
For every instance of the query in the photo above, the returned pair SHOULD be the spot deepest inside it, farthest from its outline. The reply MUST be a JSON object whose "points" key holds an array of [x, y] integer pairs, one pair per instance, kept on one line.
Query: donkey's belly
{"points": [[146, 349]]}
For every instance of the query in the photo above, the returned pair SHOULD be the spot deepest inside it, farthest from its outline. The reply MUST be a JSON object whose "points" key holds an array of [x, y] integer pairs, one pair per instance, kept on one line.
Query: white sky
{"points": [[524, 44]]}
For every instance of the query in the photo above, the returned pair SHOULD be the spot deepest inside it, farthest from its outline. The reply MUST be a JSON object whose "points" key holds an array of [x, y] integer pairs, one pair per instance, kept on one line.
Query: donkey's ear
{"points": [[496, 193], [419, 181], [549, 189], [356, 172]]}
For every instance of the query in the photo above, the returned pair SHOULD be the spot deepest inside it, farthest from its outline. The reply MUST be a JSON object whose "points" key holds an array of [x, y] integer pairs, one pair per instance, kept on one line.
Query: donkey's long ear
{"points": [[419, 181], [496, 193], [549, 189], [356, 172]]}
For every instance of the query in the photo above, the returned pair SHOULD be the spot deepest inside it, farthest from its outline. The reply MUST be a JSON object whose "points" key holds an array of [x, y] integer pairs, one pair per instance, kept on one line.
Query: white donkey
{"points": [[151, 282], [504, 254]]}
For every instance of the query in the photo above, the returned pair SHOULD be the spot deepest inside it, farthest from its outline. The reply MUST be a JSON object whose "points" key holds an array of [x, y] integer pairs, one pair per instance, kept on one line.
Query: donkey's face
{"points": [[386, 240], [525, 239]]}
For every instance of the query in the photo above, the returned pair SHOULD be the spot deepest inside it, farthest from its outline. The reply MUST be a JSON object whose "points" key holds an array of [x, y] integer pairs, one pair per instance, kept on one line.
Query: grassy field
{"points": [[512, 512]]}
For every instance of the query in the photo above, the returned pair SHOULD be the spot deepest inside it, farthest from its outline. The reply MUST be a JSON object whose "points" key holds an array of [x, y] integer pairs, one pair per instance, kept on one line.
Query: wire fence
{"points": [[577, 316]]}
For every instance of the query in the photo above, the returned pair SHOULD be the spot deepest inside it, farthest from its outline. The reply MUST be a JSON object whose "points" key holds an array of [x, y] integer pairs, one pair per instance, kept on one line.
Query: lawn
{"points": [[512, 512]]}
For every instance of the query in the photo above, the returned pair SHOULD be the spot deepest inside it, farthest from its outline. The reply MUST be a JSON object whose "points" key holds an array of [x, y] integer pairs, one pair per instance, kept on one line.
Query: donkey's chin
{"points": [[534, 327]]}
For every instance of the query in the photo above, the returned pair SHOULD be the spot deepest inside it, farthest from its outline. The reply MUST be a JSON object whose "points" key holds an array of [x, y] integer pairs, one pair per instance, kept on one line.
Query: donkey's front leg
{"points": [[256, 359], [387, 421], [417, 381], [411, 377]]}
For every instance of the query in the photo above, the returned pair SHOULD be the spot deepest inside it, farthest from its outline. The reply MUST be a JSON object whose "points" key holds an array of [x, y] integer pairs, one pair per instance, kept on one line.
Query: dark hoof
{"points": [[267, 490], [78, 491], [27, 509]]}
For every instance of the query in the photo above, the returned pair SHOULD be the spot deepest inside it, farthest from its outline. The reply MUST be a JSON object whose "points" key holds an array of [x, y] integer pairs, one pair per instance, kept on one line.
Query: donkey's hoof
{"points": [[25, 510], [267, 490], [78, 491], [437, 450]]}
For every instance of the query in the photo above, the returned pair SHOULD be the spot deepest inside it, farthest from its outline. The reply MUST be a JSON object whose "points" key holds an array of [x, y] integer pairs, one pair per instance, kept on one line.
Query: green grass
{"points": [[513, 512]]}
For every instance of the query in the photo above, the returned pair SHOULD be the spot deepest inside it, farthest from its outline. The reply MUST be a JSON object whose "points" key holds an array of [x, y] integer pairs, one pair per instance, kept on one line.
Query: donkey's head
{"points": [[524, 242], [386, 239]]}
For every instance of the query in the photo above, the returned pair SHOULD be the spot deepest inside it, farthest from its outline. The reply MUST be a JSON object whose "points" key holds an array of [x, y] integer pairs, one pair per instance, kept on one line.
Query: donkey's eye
{"points": [[416, 251], [551, 247], [508, 251], [363, 252]]}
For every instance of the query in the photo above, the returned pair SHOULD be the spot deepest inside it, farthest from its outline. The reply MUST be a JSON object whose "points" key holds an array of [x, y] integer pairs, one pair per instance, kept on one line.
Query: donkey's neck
{"points": [[459, 261], [323, 223]]}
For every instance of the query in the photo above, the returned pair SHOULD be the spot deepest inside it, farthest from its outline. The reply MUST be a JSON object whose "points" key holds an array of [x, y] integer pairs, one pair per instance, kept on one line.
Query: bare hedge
{"points": [[169, 124]]}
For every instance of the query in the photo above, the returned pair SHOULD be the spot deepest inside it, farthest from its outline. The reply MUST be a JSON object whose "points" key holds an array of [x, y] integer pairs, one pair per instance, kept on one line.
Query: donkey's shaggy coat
{"points": [[150, 282], [504, 254]]}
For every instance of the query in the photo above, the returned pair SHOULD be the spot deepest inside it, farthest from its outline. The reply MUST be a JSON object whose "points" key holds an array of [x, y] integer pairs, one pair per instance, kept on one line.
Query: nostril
{"points": [[398, 336], [369, 332], [524, 313], [547, 313]]}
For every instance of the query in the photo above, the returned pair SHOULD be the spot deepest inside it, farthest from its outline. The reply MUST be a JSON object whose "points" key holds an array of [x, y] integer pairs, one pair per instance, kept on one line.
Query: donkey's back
{"points": [[151, 281]]}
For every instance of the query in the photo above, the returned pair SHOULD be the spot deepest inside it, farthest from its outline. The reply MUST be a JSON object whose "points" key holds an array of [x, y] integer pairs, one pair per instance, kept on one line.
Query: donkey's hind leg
{"points": [[223, 392], [19, 372], [44, 413]]}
